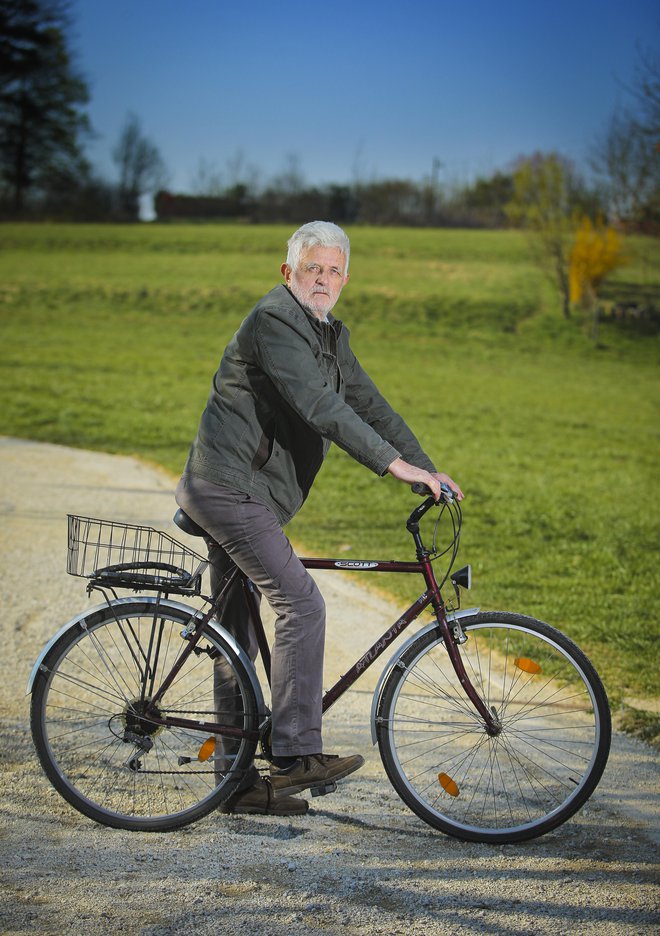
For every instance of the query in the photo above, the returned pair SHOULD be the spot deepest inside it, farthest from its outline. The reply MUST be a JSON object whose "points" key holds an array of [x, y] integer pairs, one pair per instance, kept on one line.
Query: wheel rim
{"points": [[534, 773]]}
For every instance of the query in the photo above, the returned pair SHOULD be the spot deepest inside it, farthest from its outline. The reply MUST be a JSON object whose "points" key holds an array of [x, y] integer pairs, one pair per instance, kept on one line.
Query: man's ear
{"points": [[285, 270]]}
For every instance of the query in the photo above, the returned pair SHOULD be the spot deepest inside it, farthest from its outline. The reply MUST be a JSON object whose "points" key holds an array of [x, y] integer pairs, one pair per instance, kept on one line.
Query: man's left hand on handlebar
{"points": [[445, 479], [403, 471]]}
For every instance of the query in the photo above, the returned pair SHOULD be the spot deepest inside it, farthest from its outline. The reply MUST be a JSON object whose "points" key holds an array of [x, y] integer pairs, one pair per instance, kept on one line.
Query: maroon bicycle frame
{"points": [[431, 596], [423, 566], [383, 642]]}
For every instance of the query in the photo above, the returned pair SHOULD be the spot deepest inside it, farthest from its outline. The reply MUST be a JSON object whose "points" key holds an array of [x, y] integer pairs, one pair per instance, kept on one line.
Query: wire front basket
{"points": [[129, 556]]}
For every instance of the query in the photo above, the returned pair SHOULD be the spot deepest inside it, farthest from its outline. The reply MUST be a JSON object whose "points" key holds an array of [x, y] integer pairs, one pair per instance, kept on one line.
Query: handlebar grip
{"points": [[421, 489], [424, 491]]}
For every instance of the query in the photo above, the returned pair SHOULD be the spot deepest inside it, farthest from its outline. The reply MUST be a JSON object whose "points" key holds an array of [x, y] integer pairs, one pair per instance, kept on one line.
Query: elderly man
{"points": [[288, 385]]}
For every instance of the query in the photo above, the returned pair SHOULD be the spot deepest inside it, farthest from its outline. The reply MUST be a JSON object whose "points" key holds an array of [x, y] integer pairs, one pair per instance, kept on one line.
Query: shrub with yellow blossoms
{"points": [[597, 251]]}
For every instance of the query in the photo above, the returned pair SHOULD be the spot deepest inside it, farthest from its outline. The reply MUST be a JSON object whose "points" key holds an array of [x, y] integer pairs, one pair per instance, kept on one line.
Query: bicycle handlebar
{"points": [[424, 491], [447, 499]]}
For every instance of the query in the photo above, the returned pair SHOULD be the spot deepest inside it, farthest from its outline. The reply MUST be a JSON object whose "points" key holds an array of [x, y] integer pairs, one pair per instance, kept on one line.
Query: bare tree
{"points": [[291, 181], [141, 167], [207, 180], [541, 204], [241, 174], [626, 156], [629, 166], [646, 91]]}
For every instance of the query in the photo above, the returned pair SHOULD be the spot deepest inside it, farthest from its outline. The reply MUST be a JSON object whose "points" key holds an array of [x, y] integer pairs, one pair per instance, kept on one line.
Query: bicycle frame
{"points": [[431, 596]]}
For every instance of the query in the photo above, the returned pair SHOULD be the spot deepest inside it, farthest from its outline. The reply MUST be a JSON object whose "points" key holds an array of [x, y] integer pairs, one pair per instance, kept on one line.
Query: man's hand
{"points": [[409, 474], [445, 479]]}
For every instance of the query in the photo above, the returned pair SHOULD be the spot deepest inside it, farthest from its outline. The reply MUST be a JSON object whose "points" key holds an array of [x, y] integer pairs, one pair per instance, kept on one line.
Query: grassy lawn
{"points": [[111, 336]]}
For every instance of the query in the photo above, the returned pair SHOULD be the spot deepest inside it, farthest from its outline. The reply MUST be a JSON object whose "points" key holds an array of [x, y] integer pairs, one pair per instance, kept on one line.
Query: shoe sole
{"points": [[315, 784]]}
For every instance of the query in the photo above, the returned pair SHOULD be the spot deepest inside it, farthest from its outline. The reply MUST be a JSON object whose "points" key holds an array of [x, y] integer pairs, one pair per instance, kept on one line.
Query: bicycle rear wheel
{"points": [[92, 717], [532, 776]]}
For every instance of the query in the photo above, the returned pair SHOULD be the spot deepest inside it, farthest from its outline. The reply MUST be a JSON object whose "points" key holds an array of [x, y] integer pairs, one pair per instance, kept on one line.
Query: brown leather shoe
{"points": [[312, 770], [259, 800]]}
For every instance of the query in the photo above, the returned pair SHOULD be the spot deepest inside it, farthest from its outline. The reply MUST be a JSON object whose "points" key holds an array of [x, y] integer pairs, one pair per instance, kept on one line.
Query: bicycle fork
{"points": [[492, 724], [452, 639]]}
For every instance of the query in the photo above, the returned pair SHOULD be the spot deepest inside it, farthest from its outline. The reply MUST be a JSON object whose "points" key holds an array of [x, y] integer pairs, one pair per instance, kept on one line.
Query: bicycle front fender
{"points": [[456, 615], [118, 603]]}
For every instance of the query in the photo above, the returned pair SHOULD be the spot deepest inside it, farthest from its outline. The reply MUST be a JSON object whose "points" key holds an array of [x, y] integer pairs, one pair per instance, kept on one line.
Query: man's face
{"points": [[318, 280]]}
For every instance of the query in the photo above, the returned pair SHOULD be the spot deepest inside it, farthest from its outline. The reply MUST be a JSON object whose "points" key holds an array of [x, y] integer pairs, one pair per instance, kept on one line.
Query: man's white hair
{"points": [[317, 234]]}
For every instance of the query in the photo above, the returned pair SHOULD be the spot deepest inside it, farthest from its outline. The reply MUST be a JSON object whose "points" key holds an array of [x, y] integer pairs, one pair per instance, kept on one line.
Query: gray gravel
{"points": [[360, 862]]}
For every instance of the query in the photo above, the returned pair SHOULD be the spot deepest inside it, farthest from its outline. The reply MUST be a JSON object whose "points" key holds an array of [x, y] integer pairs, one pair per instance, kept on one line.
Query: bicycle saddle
{"points": [[187, 524]]}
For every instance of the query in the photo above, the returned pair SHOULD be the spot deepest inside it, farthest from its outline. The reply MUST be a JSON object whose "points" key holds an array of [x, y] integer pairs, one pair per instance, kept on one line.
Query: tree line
{"points": [[44, 128], [379, 201]]}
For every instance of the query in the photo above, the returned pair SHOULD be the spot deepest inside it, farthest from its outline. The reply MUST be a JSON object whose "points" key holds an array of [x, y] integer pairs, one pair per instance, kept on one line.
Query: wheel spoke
{"points": [[100, 737]]}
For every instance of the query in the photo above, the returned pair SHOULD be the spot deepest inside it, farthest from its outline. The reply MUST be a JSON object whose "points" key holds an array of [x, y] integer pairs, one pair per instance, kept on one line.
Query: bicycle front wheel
{"points": [[526, 780], [95, 725]]}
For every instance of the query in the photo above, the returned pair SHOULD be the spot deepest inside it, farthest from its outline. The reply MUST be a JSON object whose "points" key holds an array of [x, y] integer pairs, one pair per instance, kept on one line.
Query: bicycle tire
{"points": [[528, 779], [89, 717]]}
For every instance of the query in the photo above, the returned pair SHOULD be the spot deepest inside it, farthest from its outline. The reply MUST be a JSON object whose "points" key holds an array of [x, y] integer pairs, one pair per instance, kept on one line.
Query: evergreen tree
{"points": [[41, 99]]}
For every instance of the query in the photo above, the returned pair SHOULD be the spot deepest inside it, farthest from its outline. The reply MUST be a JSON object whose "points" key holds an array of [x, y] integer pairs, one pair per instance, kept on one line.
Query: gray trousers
{"points": [[247, 534]]}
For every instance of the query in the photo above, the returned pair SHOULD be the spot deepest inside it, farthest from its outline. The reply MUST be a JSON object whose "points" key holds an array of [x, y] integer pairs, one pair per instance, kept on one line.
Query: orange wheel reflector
{"points": [[448, 784], [206, 749], [527, 665]]}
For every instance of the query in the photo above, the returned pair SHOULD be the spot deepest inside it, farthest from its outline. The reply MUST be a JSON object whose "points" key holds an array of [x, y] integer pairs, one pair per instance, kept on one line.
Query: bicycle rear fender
{"points": [[162, 603], [468, 612]]}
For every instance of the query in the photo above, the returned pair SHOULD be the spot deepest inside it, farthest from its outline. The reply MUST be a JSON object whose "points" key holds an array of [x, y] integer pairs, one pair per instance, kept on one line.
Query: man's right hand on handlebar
{"points": [[409, 474]]}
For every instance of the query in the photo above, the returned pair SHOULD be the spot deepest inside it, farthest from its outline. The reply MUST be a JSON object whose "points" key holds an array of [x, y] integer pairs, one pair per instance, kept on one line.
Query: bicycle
{"points": [[491, 726]]}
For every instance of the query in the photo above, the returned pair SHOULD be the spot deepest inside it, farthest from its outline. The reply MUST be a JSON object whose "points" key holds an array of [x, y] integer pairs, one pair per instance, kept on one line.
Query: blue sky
{"points": [[358, 89]]}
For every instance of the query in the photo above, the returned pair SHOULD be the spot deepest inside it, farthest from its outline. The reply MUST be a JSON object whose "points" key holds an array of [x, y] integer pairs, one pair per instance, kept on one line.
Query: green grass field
{"points": [[111, 336]]}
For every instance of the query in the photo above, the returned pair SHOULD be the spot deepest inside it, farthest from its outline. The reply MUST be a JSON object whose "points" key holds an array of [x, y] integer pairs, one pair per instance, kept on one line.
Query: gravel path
{"points": [[360, 862]]}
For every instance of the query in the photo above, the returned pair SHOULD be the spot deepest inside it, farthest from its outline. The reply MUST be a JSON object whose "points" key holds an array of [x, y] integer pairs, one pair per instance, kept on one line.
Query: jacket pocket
{"points": [[330, 367], [264, 450]]}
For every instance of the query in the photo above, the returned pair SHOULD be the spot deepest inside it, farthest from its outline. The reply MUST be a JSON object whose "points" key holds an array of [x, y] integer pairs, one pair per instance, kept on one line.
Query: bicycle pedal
{"points": [[324, 788]]}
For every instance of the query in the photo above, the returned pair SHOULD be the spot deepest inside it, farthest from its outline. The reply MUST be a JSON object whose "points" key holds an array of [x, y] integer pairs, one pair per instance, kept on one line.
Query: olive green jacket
{"points": [[288, 385]]}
